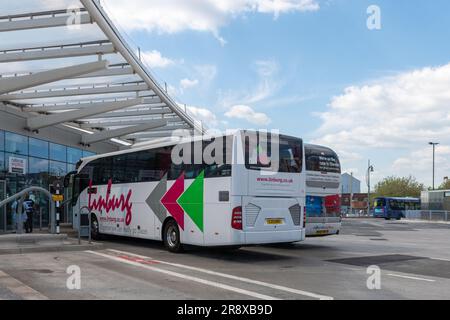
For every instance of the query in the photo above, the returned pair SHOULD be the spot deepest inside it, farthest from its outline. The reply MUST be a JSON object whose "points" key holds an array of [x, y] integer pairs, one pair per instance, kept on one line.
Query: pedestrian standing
{"points": [[28, 206]]}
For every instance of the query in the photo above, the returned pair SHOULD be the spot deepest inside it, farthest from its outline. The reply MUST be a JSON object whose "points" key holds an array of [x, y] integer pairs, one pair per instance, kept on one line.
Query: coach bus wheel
{"points": [[172, 237], [95, 228]]}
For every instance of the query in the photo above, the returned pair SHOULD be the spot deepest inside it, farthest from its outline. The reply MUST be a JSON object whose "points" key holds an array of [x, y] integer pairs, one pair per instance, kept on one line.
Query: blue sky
{"points": [[310, 68]]}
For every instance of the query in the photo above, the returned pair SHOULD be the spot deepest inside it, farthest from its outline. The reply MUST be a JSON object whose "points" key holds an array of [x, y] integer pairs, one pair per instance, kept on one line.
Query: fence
{"points": [[428, 215]]}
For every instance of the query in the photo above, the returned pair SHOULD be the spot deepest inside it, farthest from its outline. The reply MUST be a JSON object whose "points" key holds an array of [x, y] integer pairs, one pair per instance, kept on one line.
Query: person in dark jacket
{"points": [[28, 207]]}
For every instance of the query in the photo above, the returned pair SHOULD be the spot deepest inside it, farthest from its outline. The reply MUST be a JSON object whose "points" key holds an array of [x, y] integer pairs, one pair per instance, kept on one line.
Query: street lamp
{"points": [[370, 169], [434, 144]]}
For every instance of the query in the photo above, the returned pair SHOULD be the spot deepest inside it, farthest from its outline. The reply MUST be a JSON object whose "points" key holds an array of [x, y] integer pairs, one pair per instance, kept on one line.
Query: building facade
{"points": [[27, 161], [350, 184], [357, 204]]}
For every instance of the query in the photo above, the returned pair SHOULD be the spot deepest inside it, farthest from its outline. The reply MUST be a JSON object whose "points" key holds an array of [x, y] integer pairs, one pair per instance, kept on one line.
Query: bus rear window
{"points": [[258, 153], [321, 159]]}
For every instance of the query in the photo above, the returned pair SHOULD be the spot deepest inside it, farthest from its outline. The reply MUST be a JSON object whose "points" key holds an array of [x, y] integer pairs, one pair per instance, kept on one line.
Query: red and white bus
{"points": [[254, 194], [323, 191]]}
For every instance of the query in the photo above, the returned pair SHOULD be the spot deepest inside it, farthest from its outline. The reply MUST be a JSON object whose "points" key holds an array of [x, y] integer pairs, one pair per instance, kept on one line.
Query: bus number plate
{"points": [[274, 221]]}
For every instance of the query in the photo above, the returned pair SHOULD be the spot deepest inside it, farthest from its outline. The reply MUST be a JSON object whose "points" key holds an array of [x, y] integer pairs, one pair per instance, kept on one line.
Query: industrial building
{"points": [[350, 184], [438, 200]]}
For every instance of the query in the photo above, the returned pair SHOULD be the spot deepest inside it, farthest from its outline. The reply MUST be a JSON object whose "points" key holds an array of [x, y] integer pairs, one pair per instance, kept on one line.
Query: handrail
{"points": [[37, 189]]}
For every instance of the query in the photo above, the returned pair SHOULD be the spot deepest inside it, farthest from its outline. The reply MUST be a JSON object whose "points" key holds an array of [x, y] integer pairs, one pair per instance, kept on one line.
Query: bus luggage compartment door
{"points": [[272, 220]]}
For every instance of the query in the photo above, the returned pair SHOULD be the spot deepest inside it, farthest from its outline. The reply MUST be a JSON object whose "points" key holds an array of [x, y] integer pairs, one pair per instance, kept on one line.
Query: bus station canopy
{"points": [[75, 69]]}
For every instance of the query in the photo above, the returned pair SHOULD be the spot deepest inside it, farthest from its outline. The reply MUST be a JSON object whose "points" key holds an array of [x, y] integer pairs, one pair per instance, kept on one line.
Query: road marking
{"points": [[186, 277], [19, 288], [440, 259], [411, 278], [224, 275]]}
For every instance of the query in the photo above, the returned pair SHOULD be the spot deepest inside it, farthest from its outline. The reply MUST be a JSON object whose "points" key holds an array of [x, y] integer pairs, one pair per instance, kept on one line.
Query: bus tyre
{"points": [[95, 228], [172, 237]]}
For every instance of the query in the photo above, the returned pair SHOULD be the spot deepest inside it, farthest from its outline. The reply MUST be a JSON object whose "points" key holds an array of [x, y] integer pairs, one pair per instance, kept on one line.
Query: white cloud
{"points": [[208, 118], [248, 114], [420, 162], [206, 72], [202, 15], [154, 59], [267, 86], [266, 68], [188, 83], [391, 116]]}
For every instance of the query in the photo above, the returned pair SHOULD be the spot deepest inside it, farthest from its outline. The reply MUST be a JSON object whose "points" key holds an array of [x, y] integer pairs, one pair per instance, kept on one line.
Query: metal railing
{"points": [[428, 215], [21, 194]]}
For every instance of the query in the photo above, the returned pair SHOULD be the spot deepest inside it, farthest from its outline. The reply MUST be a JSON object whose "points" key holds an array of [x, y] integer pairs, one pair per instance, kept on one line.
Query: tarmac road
{"points": [[414, 259]]}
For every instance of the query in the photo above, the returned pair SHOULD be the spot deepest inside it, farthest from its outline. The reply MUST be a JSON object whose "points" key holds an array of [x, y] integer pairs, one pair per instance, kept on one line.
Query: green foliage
{"points": [[399, 187], [445, 185]]}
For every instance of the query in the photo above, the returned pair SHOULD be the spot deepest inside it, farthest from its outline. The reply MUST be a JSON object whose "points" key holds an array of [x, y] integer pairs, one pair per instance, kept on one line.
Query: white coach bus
{"points": [[244, 198], [323, 191]]}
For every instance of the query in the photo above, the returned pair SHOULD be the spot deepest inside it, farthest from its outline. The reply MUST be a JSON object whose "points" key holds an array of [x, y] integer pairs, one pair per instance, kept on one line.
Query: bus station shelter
{"points": [[70, 87]]}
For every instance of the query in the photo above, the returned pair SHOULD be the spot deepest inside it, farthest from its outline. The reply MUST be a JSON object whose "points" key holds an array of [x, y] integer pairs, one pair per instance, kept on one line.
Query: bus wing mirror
{"points": [[68, 178]]}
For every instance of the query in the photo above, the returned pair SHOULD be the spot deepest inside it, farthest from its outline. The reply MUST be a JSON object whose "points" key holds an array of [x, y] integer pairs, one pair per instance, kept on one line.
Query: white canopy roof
{"points": [[81, 73]]}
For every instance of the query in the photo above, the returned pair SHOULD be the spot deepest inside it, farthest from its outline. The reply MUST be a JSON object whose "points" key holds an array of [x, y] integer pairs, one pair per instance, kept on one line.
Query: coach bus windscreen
{"points": [[258, 154]]}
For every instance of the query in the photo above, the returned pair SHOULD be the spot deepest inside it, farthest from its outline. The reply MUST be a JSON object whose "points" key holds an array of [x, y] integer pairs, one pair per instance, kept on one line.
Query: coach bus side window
{"points": [[120, 164], [223, 169], [102, 171]]}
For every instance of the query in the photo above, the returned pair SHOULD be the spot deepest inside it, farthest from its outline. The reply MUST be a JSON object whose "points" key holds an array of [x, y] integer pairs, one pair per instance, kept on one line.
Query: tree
{"points": [[445, 185], [399, 187]]}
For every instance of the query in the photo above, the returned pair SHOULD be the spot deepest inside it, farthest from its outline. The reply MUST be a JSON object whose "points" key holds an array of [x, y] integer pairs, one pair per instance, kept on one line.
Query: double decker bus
{"points": [[394, 207], [252, 193], [323, 191]]}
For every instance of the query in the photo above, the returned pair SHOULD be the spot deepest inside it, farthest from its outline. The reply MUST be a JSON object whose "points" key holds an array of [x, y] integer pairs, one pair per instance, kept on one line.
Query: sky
{"points": [[309, 68]]}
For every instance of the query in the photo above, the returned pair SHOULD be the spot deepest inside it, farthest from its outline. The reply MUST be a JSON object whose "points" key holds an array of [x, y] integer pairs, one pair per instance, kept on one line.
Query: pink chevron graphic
{"points": [[169, 201]]}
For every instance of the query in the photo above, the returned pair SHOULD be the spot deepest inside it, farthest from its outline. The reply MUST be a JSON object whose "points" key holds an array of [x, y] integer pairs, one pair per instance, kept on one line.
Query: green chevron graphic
{"points": [[192, 201]]}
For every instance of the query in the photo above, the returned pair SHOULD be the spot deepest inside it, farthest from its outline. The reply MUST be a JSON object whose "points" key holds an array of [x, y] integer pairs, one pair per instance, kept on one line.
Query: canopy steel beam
{"points": [[47, 121], [100, 17], [113, 70], [37, 79], [87, 139], [152, 102], [165, 129], [110, 72], [137, 113], [33, 15], [123, 123], [151, 135], [55, 52], [46, 22], [57, 93]]}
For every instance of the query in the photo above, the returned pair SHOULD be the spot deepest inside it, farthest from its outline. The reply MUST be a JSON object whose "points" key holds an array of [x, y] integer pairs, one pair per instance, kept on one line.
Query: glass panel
{"points": [[16, 143], [38, 165], [74, 155], [71, 167], [2, 162], [58, 152], [2, 140], [58, 169], [39, 148], [88, 154], [2, 210]]}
